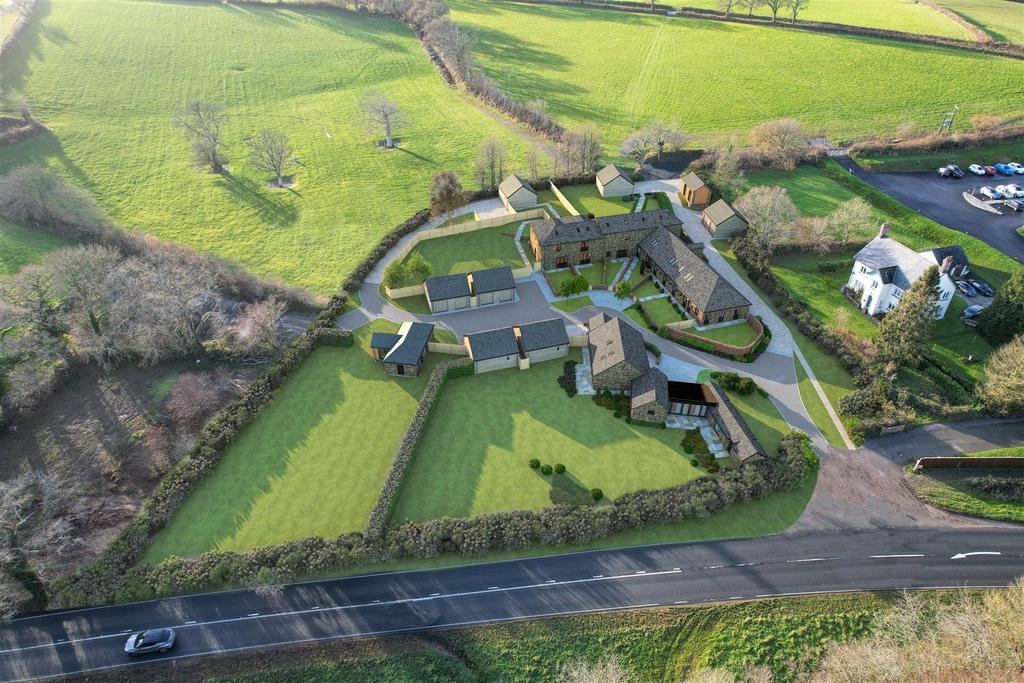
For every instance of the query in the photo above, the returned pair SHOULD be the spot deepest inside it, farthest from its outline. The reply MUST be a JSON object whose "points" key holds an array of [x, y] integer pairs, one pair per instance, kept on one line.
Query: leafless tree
{"points": [[638, 146], [726, 6], [194, 398], [667, 136], [770, 215], [446, 194], [579, 150], [202, 122], [796, 7], [380, 111], [38, 196], [726, 175], [452, 43], [254, 333], [751, 5], [490, 162], [270, 151], [774, 6], [533, 157], [781, 135]]}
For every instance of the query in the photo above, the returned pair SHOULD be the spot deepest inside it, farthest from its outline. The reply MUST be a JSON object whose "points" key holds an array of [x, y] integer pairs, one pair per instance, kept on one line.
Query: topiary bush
{"points": [[545, 469], [559, 468], [534, 463]]}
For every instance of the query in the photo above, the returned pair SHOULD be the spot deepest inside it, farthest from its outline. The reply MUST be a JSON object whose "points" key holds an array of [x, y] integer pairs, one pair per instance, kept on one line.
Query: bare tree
{"points": [[533, 157], [446, 194], [454, 45], [667, 137], [202, 122], [770, 215], [797, 6], [380, 111], [579, 150], [254, 333], [774, 6], [726, 175], [726, 6], [751, 5], [194, 398], [270, 151], [23, 6], [490, 162], [852, 217], [638, 146], [779, 136]]}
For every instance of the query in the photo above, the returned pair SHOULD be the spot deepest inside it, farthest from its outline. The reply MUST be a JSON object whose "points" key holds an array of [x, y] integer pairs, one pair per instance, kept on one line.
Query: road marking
{"points": [[884, 557], [813, 559], [254, 614], [960, 556], [598, 576], [189, 623], [493, 588], [434, 595], [550, 581], [640, 572], [680, 602]]}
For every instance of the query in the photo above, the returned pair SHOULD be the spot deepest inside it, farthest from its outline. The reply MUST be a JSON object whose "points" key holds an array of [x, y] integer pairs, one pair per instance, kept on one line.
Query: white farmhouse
{"points": [[885, 269]]}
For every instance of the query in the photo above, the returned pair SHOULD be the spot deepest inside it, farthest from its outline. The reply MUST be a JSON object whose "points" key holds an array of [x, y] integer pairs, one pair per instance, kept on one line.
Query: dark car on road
{"points": [[153, 640], [965, 288]]}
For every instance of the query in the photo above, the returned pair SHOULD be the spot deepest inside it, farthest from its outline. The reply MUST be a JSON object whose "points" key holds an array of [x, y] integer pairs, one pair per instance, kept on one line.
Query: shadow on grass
{"points": [[255, 195]]}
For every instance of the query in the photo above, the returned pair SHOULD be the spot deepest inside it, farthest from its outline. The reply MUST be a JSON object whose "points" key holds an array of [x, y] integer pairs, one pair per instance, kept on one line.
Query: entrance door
{"points": [[400, 369]]}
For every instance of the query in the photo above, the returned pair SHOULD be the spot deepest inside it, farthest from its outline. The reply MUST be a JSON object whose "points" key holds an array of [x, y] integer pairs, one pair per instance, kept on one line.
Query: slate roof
{"points": [[650, 387], [493, 344], [409, 349], [442, 287], [597, 320], [492, 280], [940, 253], [383, 340], [747, 445], [611, 172], [543, 334], [577, 229], [512, 183], [615, 342], [898, 264], [721, 211], [698, 281], [693, 182]]}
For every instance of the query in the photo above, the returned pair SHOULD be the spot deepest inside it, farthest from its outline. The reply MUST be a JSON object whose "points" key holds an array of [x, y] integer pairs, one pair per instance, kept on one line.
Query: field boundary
{"points": [[964, 462]]}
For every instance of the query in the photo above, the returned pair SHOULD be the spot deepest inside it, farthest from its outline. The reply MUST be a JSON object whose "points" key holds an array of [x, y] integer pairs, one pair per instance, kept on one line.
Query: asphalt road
{"points": [[941, 199], [61, 644]]}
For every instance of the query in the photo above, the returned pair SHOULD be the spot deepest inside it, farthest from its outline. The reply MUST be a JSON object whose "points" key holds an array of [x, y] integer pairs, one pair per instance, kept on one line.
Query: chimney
{"points": [[947, 266], [883, 232]]}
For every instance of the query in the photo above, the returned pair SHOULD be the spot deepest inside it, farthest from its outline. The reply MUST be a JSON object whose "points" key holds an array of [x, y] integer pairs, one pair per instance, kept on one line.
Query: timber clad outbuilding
{"points": [[447, 292], [493, 349], [469, 290], [722, 221], [696, 193], [518, 345], [706, 295], [577, 241], [402, 353], [543, 340], [613, 181], [517, 194]]}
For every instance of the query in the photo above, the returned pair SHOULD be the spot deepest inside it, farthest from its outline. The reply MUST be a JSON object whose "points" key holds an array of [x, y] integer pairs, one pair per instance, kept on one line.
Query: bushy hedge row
{"points": [[936, 142], [559, 525], [355, 280], [385, 505]]}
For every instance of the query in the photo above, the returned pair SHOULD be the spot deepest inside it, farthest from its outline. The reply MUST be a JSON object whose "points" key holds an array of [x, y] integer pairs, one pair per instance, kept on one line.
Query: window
{"points": [[650, 412], [945, 295], [897, 292], [874, 285], [584, 246], [863, 269], [558, 249]]}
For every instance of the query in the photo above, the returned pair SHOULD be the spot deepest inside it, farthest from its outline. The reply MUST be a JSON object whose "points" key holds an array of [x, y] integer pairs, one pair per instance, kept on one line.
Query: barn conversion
{"points": [[576, 241]]}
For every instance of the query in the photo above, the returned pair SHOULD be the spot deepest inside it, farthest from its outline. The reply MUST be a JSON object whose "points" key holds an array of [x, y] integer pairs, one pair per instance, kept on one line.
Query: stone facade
{"points": [[615, 245], [702, 316], [618, 377], [650, 412]]}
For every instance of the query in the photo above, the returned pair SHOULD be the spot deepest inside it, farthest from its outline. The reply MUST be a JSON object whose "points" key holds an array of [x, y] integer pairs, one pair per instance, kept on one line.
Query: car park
{"points": [[964, 287], [982, 287], [970, 315], [1017, 167], [1013, 190], [1014, 205], [151, 640], [976, 169], [989, 192], [990, 170], [1005, 191], [1005, 169], [951, 171]]}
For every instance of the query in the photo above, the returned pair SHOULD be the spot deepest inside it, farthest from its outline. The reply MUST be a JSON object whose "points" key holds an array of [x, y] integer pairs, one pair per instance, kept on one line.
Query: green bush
{"points": [[694, 462], [629, 420], [653, 348], [731, 381], [545, 469], [596, 494], [574, 285], [831, 266], [617, 414], [534, 463], [559, 468]]}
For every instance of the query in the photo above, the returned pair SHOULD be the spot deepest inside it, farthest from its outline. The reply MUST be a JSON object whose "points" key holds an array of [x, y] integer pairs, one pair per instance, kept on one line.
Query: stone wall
{"points": [[619, 377]]}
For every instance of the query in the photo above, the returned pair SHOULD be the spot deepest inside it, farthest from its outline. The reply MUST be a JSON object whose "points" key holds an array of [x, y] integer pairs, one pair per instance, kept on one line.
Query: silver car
{"points": [[153, 640]]}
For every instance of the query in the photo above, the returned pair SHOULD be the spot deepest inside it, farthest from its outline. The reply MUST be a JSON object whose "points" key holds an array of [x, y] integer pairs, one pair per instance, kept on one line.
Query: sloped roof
{"points": [[721, 211], [512, 183], [409, 349], [692, 182], [492, 279], [572, 229], [898, 264], [747, 445], [642, 220], [616, 342], [689, 392], [611, 172], [696, 279], [650, 387], [383, 340], [493, 344], [596, 320], [939, 254], [543, 334], [442, 287]]}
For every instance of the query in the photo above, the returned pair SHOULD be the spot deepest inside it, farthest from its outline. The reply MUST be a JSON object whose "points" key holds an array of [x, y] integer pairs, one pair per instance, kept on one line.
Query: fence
{"points": [[961, 462], [578, 340], [561, 197], [450, 349], [681, 337]]}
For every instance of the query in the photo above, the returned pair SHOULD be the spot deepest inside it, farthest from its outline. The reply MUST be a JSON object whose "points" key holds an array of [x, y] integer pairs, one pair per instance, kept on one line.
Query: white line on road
{"points": [[885, 557], [960, 556], [812, 559]]}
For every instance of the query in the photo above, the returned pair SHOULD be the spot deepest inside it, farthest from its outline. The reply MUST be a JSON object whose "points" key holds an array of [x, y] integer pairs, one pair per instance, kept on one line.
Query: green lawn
{"points": [[477, 250], [815, 408], [548, 197], [558, 278], [574, 304], [107, 76], [472, 461], [595, 272], [814, 193], [660, 309], [312, 464], [21, 246], [946, 488], [763, 418], [413, 304], [444, 336], [737, 335], [586, 199], [841, 89], [899, 15], [648, 287], [993, 154], [998, 18]]}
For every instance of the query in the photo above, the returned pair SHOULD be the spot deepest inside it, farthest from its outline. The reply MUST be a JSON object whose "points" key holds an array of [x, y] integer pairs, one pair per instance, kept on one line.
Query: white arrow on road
{"points": [[960, 556]]}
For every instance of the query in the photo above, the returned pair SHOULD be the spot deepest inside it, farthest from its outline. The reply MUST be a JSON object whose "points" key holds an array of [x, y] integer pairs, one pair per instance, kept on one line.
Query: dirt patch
{"points": [[286, 182]]}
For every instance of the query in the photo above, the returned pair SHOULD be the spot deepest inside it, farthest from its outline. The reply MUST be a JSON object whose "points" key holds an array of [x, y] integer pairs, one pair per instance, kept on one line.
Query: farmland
{"points": [[107, 75], [840, 90], [998, 18]]}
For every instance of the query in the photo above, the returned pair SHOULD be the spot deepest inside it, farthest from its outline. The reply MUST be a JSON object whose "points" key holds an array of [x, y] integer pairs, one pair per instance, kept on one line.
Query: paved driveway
{"points": [[941, 200]]}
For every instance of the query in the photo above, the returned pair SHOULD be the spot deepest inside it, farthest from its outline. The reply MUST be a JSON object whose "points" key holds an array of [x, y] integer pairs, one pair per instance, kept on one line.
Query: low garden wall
{"points": [[561, 197], [681, 336], [963, 462]]}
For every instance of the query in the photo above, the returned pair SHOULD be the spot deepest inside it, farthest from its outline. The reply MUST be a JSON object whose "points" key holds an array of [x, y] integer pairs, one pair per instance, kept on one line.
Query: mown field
{"points": [[107, 75], [1001, 19], [634, 68]]}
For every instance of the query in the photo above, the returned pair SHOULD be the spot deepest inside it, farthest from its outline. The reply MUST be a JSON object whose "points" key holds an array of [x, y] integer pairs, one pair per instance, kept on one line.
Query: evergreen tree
{"points": [[906, 330], [1004, 318]]}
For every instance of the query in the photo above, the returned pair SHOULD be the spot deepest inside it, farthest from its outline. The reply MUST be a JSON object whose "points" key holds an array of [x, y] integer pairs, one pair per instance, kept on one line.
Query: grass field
{"points": [[841, 89], [737, 335], [1011, 151], [898, 15], [659, 309], [586, 199], [946, 489], [815, 408], [487, 248], [999, 18], [21, 246], [311, 465], [763, 418], [107, 75], [473, 460]]}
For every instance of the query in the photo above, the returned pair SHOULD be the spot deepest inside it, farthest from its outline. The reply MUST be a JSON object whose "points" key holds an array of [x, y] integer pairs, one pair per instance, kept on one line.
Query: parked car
{"points": [[1014, 190], [976, 169], [951, 171], [1014, 205], [989, 192], [1005, 191], [153, 640], [970, 315], [1019, 168], [965, 288], [1005, 169], [990, 170], [982, 287]]}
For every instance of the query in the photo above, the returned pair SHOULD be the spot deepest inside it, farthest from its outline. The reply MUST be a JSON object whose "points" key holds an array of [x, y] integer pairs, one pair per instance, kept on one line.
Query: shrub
{"points": [[596, 494], [653, 348], [617, 414], [559, 468], [831, 266], [734, 382], [545, 469], [694, 462], [534, 463], [629, 420]]}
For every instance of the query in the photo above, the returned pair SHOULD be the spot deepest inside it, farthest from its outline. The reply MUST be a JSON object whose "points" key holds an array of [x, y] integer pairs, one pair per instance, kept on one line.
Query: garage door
{"points": [[547, 354], [461, 302], [439, 306], [485, 298], [495, 364], [506, 295]]}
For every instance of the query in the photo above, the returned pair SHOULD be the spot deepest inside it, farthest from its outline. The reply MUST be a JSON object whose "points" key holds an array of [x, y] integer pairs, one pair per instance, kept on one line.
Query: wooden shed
{"points": [[696, 193]]}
